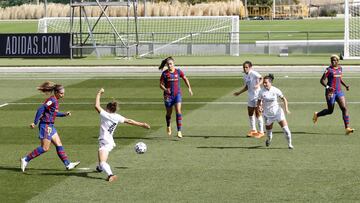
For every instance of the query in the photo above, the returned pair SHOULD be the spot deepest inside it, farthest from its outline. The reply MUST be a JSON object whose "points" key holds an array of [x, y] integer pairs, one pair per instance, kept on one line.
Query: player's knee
{"points": [[330, 111], [46, 148]]}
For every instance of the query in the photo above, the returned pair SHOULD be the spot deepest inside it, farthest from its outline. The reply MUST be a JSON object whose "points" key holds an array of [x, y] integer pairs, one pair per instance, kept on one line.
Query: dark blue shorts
{"points": [[334, 97], [46, 131], [169, 101]]}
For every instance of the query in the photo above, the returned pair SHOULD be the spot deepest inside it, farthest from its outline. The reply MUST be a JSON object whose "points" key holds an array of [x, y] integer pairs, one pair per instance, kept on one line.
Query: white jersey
{"points": [[251, 79], [108, 123], [270, 101]]}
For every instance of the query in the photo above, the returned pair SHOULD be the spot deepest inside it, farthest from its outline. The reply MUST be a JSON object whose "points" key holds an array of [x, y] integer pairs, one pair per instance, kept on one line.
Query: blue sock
{"points": [[37, 152], [62, 155]]}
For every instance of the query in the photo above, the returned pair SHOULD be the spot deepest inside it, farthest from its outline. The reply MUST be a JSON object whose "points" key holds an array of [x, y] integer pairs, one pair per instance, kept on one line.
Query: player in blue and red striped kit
{"points": [[46, 114], [333, 75], [170, 84]]}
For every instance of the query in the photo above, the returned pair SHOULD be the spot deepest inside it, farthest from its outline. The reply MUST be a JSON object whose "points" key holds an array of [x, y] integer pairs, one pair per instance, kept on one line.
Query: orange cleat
{"points": [[259, 135], [315, 117], [168, 130], [252, 133], [349, 130]]}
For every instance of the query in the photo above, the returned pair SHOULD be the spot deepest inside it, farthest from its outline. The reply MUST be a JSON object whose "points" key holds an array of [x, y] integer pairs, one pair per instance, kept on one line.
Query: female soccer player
{"points": [[170, 84], [333, 92], [46, 114], [252, 80], [268, 102], [108, 122]]}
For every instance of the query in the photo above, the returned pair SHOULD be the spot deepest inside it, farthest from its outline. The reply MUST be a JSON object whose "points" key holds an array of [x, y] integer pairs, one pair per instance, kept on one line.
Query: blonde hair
{"points": [[335, 56]]}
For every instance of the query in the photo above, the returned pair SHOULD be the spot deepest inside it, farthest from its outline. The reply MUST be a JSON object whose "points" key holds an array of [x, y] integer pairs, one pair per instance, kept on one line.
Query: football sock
{"points": [[260, 122], [179, 121], [252, 122], [346, 119], [37, 152], [62, 155], [269, 134], [168, 119], [106, 167], [287, 134]]}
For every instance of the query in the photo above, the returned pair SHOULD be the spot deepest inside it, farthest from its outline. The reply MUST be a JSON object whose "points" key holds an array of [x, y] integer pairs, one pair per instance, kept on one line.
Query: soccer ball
{"points": [[140, 148]]}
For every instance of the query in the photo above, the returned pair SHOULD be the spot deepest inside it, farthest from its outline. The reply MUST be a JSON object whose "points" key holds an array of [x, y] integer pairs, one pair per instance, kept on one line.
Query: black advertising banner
{"points": [[41, 45]]}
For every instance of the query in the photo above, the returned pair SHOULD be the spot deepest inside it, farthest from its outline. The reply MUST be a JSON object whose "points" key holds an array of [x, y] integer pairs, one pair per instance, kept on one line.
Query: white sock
{"points": [[260, 122], [106, 167], [269, 134], [287, 134], [252, 122]]}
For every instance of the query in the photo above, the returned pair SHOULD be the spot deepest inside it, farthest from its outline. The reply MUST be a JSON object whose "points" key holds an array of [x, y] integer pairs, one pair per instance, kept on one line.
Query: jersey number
{"points": [[111, 128]]}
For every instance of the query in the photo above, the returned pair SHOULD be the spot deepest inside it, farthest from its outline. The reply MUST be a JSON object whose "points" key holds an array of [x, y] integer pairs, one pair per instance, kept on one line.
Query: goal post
{"points": [[352, 29], [159, 33]]}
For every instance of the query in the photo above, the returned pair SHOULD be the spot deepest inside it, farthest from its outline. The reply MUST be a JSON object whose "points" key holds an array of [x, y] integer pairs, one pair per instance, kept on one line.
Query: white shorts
{"points": [[280, 116], [106, 146], [252, 102]]}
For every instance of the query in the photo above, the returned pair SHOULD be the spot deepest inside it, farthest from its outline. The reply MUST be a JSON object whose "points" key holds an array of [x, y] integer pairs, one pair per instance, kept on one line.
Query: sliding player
{"points": [[170, 84], [333, 92], [252, 80], [46, 114], [109, 119], [267, 102]]}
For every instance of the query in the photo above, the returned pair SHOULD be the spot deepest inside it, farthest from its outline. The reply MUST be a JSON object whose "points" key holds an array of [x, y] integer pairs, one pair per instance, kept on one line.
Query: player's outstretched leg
{"points": [[35, 153]]}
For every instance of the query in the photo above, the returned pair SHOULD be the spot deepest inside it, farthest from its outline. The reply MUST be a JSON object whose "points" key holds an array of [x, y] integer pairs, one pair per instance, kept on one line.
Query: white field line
{"points": [[5, 104], [153, 77], [157, 103]]}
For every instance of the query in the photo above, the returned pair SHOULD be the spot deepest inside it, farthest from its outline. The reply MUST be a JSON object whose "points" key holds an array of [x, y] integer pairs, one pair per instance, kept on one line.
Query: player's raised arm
{"points": [[136, 123], [97, 100]]}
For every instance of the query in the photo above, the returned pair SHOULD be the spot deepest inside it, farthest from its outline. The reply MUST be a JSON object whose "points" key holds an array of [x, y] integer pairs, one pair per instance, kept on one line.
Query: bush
{"points": [[328, 11]]}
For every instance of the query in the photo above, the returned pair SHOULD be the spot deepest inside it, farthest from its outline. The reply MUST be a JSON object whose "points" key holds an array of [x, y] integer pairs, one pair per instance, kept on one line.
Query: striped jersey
{"points": [[48, 111], [334, 77], [171, 81]]}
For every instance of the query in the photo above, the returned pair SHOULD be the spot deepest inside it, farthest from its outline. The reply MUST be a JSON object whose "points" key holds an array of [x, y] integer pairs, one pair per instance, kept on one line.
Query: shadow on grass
{"points": [[121, 167], [17, 169], [81, 174], [216, 136], [50, 172], [251, 147]]}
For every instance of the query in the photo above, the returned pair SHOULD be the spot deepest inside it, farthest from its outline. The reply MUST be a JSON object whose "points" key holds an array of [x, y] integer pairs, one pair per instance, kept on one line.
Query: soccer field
{"points": [[214, 162]]}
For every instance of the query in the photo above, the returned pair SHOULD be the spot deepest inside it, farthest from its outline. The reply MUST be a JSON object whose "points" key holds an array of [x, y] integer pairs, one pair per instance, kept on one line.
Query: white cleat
{"points": [[72, 165], [291, 146], [23, 164]]}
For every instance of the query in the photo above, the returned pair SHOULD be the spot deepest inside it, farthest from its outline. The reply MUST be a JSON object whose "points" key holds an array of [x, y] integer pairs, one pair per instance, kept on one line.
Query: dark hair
{"points": [[49, 87], [112, 106], [247, 62], [165, 61], [270, 77]]}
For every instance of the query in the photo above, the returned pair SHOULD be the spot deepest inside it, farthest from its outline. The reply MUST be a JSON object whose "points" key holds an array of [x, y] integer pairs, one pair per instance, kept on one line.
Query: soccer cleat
{"points": [[179, 134], [168, 130], [252, 133], [23, 164], [267, 142], [315, 117], [112, 178], [259, 135], [290, 146], [72, 165], [99, 169], [349, 130]]}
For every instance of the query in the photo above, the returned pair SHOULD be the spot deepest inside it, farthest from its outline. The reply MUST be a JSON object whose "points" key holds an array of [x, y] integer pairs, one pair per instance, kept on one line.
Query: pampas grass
{"points": [[31, 11]]}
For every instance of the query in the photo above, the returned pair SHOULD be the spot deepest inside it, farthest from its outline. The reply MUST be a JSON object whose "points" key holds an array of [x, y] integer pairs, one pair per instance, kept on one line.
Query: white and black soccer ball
{"points": [[140, 148]]}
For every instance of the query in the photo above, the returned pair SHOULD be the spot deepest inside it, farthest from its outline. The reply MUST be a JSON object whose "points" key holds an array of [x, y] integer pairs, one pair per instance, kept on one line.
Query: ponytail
{"points": [[164, 62], [270, 77], [48, 87]]}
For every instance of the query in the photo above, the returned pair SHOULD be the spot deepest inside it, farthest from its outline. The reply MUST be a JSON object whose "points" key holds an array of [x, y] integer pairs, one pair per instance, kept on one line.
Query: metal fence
{"points": [[219, 43]]}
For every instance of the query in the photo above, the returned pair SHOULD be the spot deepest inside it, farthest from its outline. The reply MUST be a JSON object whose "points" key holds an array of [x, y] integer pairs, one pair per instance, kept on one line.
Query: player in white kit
{"points": [[252, 81], [268, 103], [109, 120]]}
